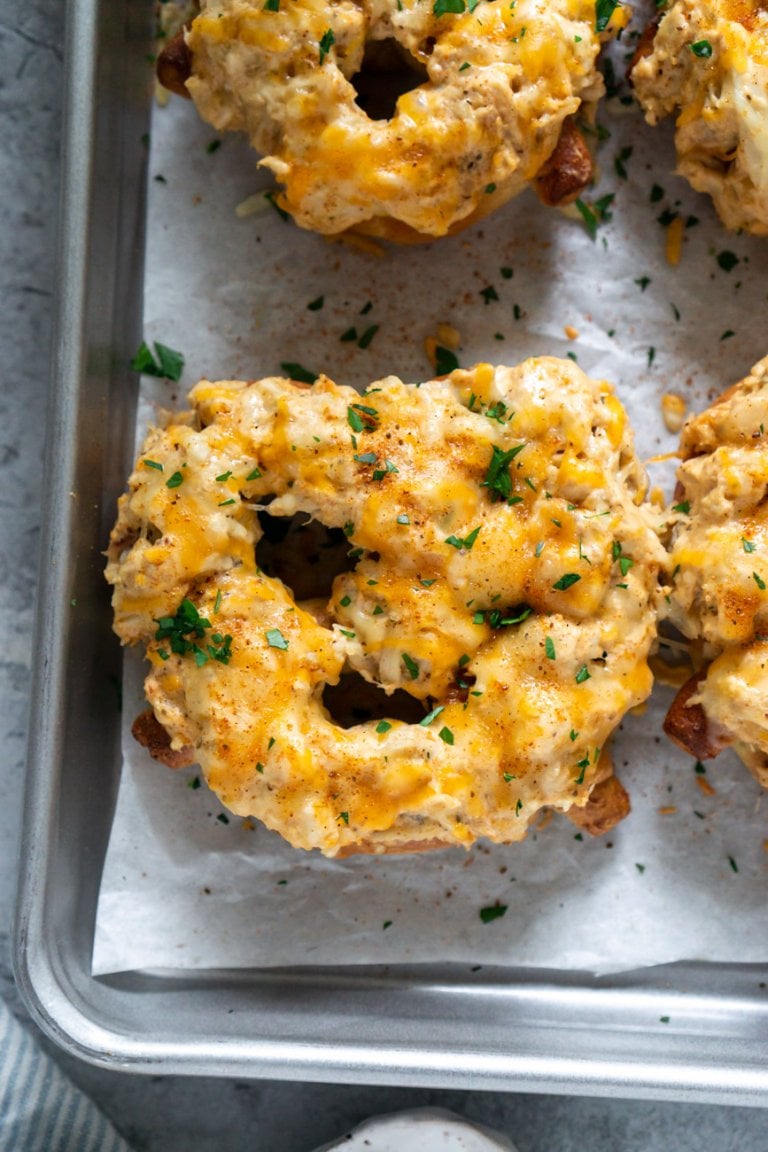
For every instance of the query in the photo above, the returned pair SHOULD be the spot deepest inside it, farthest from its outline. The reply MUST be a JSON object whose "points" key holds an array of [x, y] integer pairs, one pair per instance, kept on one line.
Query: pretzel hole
{"points": [[305, 554], [354, 700], [386, 73]]}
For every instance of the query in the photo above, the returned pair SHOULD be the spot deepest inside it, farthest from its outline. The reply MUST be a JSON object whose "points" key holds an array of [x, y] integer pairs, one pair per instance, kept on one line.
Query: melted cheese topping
{"points": [[719, 559], [504, 576], [501, 79], [720, 93]]}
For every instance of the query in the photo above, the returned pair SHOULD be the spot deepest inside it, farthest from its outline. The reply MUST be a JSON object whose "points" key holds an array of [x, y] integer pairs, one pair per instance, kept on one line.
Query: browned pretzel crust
{"points": [[149, 732], [174, 65], [569, 169], [688, 726], [608, 804]]}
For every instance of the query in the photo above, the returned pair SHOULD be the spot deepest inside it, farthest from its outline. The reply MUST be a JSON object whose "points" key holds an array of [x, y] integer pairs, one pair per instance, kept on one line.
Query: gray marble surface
{"points": [[171, 1114]]}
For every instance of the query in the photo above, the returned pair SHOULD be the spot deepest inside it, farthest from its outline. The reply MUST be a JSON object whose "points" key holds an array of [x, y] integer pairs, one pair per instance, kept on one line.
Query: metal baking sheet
{"points": [[682, 1031]]}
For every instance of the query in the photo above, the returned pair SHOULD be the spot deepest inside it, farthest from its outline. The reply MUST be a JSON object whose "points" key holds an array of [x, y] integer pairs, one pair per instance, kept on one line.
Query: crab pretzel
{"points": [[707, 61], [492, 98], [719, 577], [503, 575]]}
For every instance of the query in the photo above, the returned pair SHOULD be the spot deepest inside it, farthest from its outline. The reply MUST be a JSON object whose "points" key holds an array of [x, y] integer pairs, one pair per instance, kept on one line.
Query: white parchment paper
{"points": [[683, 877]]}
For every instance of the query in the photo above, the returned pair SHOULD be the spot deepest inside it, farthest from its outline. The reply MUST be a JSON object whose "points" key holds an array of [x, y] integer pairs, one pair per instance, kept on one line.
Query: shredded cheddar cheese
{"points": [[493, 84], [504, 570]]}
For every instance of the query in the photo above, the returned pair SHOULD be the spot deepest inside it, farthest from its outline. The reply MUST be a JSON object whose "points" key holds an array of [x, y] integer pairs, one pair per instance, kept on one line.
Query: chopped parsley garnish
{"points": [[298, 372], [411, 665], [345, 601], [620, 161], [275, 639], [187, 627], [702, 48], [430, 716], [175, 481], [489, 188], [316, 304], [348, 336], [657, 193], [403, 518], [388, 468], [748, 545], [497, 618], [445, 361], [729, 332], [365, 457], [573, 734], [727, 260], [467, 542], [213, 146], [566, 581], [383, 726], [327, 40], [507, 273], [343, 816], [643, 282], [684, 506], [254, 474], [582, 674], [488, 294], [446, 735], [427, 583], [443, 7], [367, 336], [271, 5], [494, 912], [733, 864], [223, 818], [224, 476], [194, 783], [153, 464], [604, 9], [169, 364], [497, 479], [586, 213], [759, 581], [549, 648]]}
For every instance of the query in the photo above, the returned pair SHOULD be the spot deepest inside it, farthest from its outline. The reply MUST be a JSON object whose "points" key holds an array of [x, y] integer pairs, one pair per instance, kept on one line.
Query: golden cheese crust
{"points": [[719, 566], [708, 64], [493, 86], [504, 573]]}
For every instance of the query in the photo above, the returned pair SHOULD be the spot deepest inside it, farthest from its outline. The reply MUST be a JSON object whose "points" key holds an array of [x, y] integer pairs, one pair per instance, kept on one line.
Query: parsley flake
{"points": [[275, 639], [445, 361], [582, 674], [411, 665], [494, 912], [327, 40], [549, 648], [446, 735], [702, 48], [383, 726], [566, 581], [298, 372], [168, 365], [430, 716]]}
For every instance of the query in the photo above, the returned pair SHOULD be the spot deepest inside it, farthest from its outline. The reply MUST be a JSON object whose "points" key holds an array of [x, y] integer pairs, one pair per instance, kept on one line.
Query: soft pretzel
{"points": [[503, 576], [719, 576], [495, 89], [707, 62]]}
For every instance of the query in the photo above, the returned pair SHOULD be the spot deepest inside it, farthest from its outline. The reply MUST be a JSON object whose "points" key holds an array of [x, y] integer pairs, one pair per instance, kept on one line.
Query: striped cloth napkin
{"points": [[40, 1109]]}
